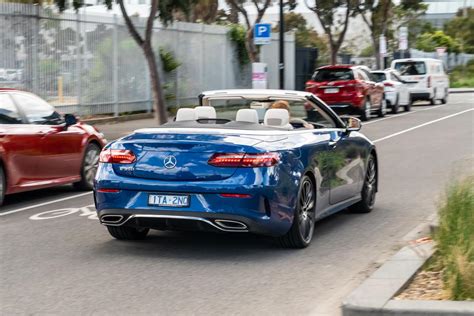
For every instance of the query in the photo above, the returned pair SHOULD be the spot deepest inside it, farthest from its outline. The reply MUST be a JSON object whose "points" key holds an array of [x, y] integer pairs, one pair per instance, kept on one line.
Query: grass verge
{"points": [[455, 241], [462, 76]]}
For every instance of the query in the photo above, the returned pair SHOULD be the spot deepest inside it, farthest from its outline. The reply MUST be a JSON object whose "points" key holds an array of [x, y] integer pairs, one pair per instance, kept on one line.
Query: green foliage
{"points": [[455, 240], [237, 34], [305, 36], [462, 76], [329, 163], [169, 62], [461, 28], [429, 41], [367, 52]]}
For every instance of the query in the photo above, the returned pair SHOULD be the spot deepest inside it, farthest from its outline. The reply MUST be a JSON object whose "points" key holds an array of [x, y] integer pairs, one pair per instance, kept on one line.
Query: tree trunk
{"points": [[159, 102], [252, 50], [375, 43], [334, 50]]}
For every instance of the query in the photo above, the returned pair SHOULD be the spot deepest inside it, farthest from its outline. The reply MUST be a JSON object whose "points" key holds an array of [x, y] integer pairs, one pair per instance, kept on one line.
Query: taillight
{"points": [[234, 195], [117, 156], [237, 160], [428, 81], [106, 190], [388, 84]]}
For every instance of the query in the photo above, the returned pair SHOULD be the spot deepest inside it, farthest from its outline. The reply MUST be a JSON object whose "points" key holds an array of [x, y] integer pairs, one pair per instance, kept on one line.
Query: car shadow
{"points": [[37, 196], [217, 246]]}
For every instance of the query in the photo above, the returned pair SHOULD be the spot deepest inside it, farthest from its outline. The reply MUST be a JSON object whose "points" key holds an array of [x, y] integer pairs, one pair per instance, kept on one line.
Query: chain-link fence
{"points": [[88, 64]]}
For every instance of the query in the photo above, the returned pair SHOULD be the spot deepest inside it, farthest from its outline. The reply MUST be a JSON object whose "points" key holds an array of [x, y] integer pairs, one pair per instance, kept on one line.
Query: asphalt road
{"points": [[64, 262]]}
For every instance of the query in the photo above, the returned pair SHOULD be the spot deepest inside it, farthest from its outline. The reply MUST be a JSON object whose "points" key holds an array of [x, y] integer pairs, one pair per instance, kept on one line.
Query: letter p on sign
{"points": [[262, 33]]}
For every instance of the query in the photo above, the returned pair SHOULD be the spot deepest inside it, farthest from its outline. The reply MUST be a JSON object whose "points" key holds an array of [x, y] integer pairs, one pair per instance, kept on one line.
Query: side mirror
{"points": [[70, 119], [352, 124]]}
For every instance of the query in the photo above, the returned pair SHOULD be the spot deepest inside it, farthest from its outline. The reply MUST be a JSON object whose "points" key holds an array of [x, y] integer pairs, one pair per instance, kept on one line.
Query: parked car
{"points": [[206, 171], [396, 89], [39, 148], [349, 89], [428, 76]]}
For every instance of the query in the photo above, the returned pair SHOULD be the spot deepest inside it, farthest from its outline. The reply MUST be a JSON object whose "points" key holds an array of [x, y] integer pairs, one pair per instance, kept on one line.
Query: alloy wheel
{"points": [[370, 183], [91, 163], [306, 214]]}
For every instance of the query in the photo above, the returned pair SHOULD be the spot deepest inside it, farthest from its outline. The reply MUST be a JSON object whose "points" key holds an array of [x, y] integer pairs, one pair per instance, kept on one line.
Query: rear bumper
{"points": [[190, 221]]}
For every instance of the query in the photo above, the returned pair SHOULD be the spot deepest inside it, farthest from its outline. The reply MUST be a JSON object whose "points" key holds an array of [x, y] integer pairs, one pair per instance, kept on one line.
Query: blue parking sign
{"points": [[262, 33]]}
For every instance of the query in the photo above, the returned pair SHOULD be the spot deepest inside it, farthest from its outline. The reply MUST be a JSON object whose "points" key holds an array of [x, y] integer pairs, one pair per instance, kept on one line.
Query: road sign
{"points": [[262, 33], [403, 38], [440, 51]]}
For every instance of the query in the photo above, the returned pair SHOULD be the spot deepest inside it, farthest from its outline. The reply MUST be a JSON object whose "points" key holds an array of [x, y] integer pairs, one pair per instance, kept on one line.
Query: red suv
{"points": [[39, 148], [348, 89]]}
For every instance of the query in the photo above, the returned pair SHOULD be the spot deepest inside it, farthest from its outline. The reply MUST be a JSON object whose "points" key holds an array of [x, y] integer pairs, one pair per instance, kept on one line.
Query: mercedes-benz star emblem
{"points": [[170, 162]]}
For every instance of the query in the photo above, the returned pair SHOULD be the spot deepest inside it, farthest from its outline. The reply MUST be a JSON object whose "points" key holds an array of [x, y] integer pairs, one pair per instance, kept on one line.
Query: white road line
{"points": [[421, 125], [45, 203], [403, 114]]}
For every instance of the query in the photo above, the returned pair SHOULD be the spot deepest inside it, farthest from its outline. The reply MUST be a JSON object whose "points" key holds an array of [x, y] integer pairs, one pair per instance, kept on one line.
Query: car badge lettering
{"points": [[170, 162]]}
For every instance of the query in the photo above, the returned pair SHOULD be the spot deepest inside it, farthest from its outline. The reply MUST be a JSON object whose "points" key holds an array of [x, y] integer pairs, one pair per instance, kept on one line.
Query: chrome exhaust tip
{"points": [[230, 225], [111, 219]]}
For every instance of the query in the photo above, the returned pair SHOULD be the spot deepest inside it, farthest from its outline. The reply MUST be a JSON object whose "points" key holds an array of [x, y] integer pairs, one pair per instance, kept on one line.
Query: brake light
{"points": [[117, 156], [243, 160], [429, 82], [106, 190], [388, 84], [234, 195]]}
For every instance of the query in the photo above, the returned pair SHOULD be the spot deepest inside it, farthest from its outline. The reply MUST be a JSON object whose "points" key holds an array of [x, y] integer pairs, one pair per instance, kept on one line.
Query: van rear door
{"points": [[412, 70]]}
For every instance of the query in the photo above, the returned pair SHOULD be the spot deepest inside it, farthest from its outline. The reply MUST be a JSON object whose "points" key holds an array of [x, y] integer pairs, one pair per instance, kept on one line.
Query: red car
{"points": [[348, 89], [39, 148]]}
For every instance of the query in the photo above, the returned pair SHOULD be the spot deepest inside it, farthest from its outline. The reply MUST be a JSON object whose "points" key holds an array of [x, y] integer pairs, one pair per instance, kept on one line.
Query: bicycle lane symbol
{"points": [[85, 211]]}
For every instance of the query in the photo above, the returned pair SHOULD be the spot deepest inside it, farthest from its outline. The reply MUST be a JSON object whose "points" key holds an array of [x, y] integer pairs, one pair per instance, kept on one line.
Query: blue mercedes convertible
{"points": [[269, 162]]}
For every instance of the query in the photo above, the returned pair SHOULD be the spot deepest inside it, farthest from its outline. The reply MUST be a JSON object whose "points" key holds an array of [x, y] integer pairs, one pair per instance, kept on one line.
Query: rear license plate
{"points": [[331, 90], [168, 200]]}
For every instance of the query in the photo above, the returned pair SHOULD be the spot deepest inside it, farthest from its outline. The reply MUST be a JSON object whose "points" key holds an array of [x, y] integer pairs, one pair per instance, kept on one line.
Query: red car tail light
{"points": [[117, 156], [106, 190], [234, 195], [388, 84], [428, 82], [243, 160]]}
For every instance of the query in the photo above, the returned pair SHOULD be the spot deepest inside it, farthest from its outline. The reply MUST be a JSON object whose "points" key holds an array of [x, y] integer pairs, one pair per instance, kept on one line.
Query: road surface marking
{"points": [[45, 203], [403, 114], [421, 125], [88, 211]]}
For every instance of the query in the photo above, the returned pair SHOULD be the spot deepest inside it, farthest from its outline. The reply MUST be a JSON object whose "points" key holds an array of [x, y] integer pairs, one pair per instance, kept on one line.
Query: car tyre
{"points": [[3, 185], [369, 189], [444, 100], [433, 99], [366, 110], [128, 233], [383, 108], [302, 229], [90, 163], [395, 106], [407, 107]]}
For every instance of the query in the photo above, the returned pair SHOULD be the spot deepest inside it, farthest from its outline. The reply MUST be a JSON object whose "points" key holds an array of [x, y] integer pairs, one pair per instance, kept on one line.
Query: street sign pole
{"points": [[282, 48]]}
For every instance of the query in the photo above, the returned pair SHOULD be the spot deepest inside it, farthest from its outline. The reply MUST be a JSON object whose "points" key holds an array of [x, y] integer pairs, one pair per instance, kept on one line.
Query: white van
{"points": [[426, 76]]}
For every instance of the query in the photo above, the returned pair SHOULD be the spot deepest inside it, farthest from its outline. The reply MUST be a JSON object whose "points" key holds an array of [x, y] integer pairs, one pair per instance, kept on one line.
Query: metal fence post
{"points": [[115, 67], [78, 64]]}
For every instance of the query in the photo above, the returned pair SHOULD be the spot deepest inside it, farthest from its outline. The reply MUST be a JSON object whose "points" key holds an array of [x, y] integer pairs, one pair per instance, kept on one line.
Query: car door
{"points": [[19, 145], [340, 164], [61, 148]]}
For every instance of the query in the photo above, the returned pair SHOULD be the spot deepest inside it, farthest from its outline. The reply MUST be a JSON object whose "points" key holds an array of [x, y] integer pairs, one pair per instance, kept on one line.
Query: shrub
{"points": [[455, 240]]}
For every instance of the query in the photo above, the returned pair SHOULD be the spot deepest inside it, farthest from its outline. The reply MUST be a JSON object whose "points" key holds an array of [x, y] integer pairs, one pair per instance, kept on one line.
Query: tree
{"points": [[334, 25], [461, 28], [380, 12], [305, 36], [261, 5], [429, 41], [161, 9]]}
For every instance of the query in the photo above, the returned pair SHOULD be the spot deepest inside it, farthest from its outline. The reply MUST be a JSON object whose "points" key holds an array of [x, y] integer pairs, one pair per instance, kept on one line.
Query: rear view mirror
{"points": [[70, 119], [352, 124]]}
